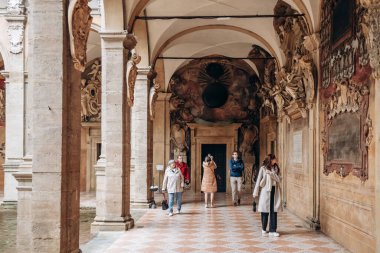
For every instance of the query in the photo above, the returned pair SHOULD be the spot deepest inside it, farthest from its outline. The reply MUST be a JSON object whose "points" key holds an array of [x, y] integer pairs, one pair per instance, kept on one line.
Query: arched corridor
{"points": [[104, 97]]}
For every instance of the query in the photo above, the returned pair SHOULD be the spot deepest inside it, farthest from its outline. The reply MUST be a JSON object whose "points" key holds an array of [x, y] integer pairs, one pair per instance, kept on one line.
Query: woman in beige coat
{"points": [[209, 180], [270, 196]]}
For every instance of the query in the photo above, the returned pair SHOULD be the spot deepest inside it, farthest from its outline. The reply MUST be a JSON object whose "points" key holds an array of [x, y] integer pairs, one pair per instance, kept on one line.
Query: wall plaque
{"points": [[297, 147]]}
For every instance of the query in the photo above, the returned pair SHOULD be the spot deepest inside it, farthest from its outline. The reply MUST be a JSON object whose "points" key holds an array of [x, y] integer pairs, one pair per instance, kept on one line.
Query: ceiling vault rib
{"points": [[219, 16]]}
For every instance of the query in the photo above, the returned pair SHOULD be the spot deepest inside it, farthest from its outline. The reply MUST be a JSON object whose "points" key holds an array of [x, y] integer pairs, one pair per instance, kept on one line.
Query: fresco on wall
{"points": [[345, 91], [220, 91], [216, 91]]}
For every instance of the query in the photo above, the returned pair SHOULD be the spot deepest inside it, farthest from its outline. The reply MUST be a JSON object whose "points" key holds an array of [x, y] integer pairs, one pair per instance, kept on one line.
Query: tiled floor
{"points": [[222, 229]]}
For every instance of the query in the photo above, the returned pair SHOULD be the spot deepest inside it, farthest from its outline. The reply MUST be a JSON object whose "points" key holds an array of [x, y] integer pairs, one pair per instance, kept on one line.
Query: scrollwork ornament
{"points": [[153, 95], [132, 78], [16, 37], [80, 30], [371, 30], [15, 7]]}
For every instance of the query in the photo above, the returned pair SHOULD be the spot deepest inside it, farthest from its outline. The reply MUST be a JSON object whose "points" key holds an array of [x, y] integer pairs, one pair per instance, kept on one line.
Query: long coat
{"points": [[209, 180], [264, 199]]}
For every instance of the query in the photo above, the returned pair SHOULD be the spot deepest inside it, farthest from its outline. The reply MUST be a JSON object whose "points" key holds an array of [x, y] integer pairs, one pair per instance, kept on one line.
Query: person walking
{"points": [[173, 184], [209, 185], [270, 196], [236, 166]]}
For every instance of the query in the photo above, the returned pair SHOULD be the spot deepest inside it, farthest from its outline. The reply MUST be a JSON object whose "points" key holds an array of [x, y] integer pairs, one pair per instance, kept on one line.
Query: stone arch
{"points": [[140, 5], [157, 51]]}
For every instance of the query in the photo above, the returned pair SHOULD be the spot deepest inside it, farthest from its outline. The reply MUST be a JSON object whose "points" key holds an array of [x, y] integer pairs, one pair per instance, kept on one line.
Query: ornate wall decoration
{"points": [[15, 7], [16, 38], [214, 91], [345, 67], [80, 20], [295, 82], [91, 93], [132, 75], [218, 91], [371, 29], [178, 137], [153, 93], [2, 101]]}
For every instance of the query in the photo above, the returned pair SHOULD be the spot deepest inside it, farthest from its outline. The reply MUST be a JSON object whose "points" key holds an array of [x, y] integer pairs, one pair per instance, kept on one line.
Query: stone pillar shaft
{"points": [[141, 166], [56, 131], [112, 169]]}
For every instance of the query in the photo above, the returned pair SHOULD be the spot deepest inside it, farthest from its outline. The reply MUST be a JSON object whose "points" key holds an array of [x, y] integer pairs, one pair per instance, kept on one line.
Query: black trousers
{"points": [[272, 215]]}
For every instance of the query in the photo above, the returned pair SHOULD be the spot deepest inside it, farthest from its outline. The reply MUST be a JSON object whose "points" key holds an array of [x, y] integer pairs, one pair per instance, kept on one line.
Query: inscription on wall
{"points": [[344, 139], [297, 147]]}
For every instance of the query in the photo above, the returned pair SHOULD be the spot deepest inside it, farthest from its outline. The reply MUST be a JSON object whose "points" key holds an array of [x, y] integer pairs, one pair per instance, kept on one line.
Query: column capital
{"points": [[113, 39], [143, 71]]}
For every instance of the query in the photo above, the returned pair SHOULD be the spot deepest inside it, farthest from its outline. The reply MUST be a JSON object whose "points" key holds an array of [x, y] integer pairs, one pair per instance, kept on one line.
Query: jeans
{"points": [[235, 183], [273, 215], [178, 196]]}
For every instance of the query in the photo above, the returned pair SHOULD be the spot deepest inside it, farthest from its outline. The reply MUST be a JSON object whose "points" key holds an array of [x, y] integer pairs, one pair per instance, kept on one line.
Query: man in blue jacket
{"points": [[236, 166]]}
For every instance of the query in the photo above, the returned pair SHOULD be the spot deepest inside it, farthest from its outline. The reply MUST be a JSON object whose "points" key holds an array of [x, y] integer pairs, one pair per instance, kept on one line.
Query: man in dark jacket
{"points": [[236, 166]]}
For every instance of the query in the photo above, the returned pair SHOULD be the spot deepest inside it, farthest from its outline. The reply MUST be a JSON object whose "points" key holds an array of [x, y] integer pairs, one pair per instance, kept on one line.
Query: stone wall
{"points": [[347, 185]]}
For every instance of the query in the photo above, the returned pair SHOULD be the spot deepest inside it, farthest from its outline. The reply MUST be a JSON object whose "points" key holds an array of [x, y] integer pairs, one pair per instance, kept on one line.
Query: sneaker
{"points": [[235, 204], [263, 232], [275, 234], [178, 212], [170, 214], [206, 206]]}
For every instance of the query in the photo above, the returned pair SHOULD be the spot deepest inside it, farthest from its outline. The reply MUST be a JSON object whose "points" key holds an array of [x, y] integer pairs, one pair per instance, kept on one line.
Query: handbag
{"points": [[254, 205], [164, 203]]}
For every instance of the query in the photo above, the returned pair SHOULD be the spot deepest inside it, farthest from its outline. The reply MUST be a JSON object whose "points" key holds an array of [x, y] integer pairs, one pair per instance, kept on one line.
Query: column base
{"points": [[313, 223], [98, 226], [139, 205], [9, 203]]}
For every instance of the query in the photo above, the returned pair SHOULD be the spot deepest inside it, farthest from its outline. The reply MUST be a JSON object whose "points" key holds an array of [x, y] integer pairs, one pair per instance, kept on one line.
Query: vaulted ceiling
{"points": [[232, 37]]}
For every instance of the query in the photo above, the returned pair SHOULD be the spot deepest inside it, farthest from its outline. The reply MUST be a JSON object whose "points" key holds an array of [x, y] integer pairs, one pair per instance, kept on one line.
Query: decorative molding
{"points": [[348, 98], [295, 81], [15, 7], [371, 29], [80, 20], [91, 93], [16, 38], [132, 75], [153, 92]]}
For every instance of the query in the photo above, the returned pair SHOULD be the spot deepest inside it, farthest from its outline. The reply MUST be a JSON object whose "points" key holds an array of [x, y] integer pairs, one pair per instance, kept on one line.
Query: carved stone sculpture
{"points": [[132, 75], [91, 94], [250, 136], [81, 20], [153, 92], [371, 30], [15, 7], [16, 37], [178, 137]]}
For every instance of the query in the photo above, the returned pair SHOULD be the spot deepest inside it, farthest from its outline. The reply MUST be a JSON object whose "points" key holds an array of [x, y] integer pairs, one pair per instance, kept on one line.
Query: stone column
{"points": [[14, 144], [141, 162], [112, 169], [56, 131], [24, 179]]}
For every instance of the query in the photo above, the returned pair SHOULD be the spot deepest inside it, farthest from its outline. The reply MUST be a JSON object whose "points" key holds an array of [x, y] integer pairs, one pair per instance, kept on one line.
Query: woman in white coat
{"points": [[270, 196], [173, 184]]}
